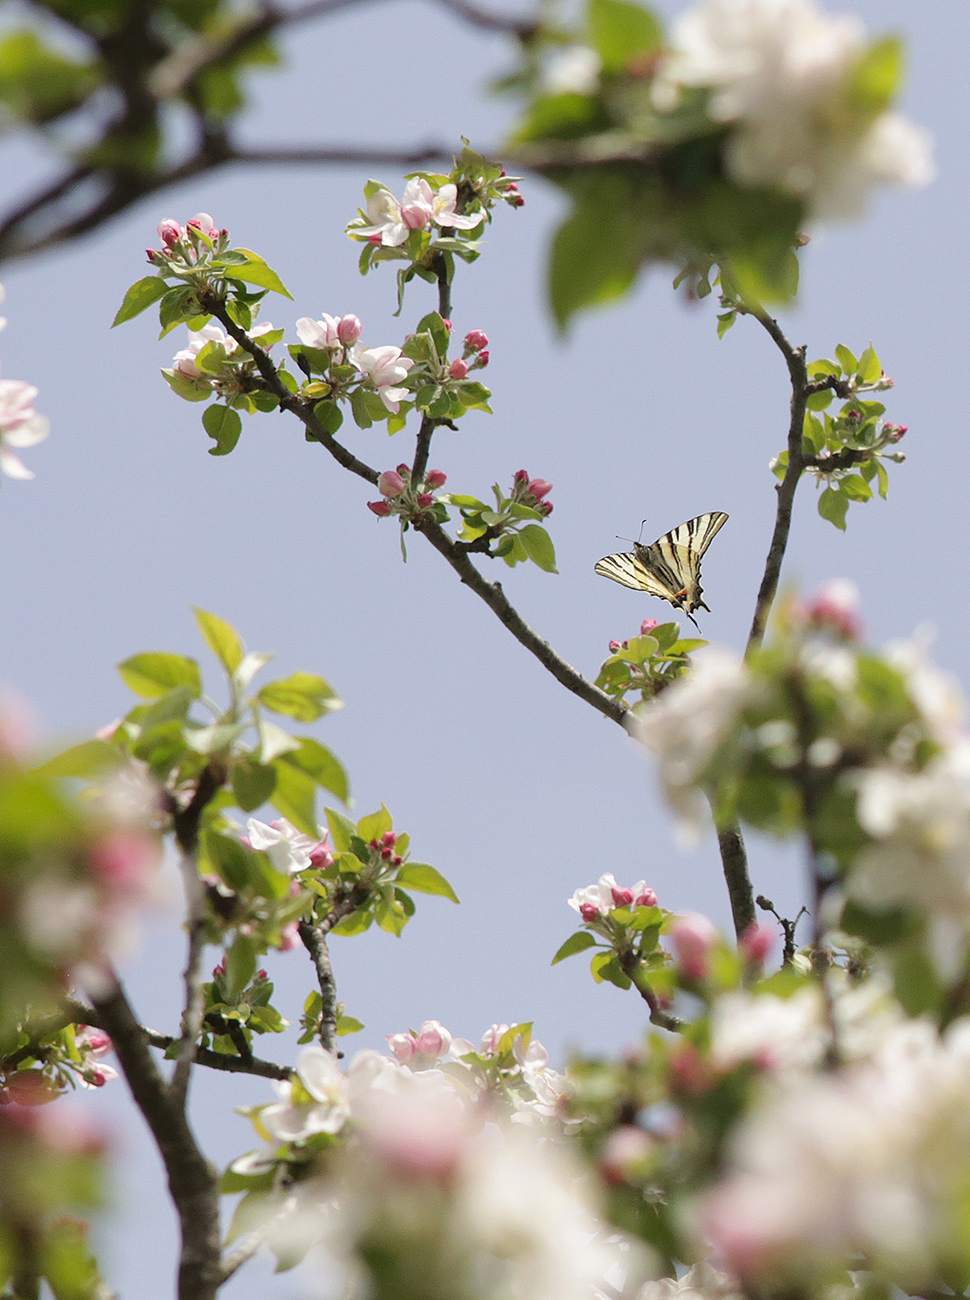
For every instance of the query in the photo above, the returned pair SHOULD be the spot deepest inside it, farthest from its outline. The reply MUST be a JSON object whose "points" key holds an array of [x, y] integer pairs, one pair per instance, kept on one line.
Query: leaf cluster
{"points": [[647, 663], [511, 528]]}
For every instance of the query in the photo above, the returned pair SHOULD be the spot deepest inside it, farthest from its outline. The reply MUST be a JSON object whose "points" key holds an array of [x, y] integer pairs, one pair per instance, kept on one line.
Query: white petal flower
{"points": [[20, 426], [287, 848]]}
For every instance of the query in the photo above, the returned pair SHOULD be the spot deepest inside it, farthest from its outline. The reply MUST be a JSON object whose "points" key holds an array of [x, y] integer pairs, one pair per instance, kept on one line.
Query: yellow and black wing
{"points": [[670, 567]]}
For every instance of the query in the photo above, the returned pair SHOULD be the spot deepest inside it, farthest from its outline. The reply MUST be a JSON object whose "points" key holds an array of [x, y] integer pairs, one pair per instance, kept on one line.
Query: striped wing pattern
{"points": [[670, 567]]}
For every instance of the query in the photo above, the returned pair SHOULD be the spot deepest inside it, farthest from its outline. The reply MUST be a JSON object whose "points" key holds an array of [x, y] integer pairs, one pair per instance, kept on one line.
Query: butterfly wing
{"points": [[629, 568]]}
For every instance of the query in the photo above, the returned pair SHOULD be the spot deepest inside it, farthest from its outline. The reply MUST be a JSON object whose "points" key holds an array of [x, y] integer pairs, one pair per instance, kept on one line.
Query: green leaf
{"points": [[425, 879], [604, 966], [374, 825], [329, 415], [622, 33], [153, 674], [538, 547], [301, 695], [587, 270], [240, 964], [140, 296], [873, 83], [832, 505], [255, 271], [577, 942], [348, 1025], [221, 638], [342, 830], [869, 367], [391, 916], [252, 782], [356, 923], [91, 758], [855, 487], [295, 798], [883, 479], [230, 859], [223, 425], [319, 763], [846, 359], [274, 741]]}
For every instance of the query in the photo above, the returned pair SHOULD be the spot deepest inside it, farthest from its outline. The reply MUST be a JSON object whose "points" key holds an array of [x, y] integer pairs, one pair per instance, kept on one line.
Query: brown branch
{"points": [[191, 1179], [630, 963], [422, 448], [314, 937], [795, 360], [734, 864]]}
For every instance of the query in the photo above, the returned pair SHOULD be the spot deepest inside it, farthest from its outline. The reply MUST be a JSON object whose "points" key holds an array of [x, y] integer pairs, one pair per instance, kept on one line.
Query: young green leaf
{"points": [[577, 942], [255, 271], [426, 880], [91, 758], [221, 638], [301, 695], [224, 426], [319, 763], [140, 296], [342, 830], [153, 674], [538, 547], [294, 798]]}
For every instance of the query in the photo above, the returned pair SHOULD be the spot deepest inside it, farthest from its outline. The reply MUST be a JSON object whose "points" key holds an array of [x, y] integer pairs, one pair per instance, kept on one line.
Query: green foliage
{"points": [[511, 526], [647, 663], [38, 84]]}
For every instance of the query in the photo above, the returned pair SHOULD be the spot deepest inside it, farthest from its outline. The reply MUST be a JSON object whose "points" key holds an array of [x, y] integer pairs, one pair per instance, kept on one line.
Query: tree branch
{"points": [[734, 864], [191, 1179], [629, 963], [795, 360]]}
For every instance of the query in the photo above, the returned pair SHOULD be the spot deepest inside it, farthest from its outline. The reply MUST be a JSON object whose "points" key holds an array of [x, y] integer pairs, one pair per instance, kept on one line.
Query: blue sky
{"points": [[518, 792]]}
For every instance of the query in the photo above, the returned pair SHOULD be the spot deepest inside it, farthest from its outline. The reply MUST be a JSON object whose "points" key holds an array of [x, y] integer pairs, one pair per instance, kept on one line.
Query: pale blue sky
{"points": [[514, 789]]}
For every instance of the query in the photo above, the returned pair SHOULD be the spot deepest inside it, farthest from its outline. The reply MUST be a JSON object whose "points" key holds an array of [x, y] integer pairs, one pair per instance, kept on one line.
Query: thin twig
{"points": [[629, 963], [191, 1179], [314, 937]]}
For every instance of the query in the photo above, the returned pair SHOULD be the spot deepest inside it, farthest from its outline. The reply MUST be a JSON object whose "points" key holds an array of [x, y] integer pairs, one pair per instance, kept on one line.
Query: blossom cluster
{"points": [[403, 495], [185, 248], [214, 362], [788, 81]]}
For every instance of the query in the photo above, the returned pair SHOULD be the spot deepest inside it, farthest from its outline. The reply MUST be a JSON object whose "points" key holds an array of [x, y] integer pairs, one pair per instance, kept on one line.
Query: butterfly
{"points": [[670, 567]]}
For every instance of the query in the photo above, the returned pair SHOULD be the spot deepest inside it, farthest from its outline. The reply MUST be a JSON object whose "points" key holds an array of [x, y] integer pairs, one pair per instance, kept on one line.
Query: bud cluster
{"points": [[530, 491], [213, 362], [647, 663], [404, 496], [188, 247]]}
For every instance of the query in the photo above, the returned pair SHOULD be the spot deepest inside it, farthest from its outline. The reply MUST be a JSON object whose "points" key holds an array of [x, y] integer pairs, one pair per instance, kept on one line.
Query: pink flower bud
{"points": [[379, 507], [415, 216], [289, 936], [589, 912], [481, 361], [100, 1077], [436, 478], [386, 855], [404, 471], [396, 860], [833, 609], [388, 839], [390, 484], [447, 323], [202, 221], [622, 896], [349, 329], [539, 488], [693, 936], [123, 860], [425, 500], [403, 1047], [475, 340], [646, 898], [624, 1151], [521, 476], [517, 200], [96, 1041], [894, 431], [614, 646], [262, 974], [756, 943], [647, 626], [458, 368], [433, 1039], [169, 232], [544, 507], [220, 970], [321, 857]]}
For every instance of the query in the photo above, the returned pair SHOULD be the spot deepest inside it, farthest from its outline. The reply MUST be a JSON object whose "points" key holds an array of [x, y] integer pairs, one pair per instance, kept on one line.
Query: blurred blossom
{"points": [[686, 723], [288, 849], [18, 729], [574, 70], [781, 72], [325, 1109], [692, 937], [20, 426], [866, 1161]]}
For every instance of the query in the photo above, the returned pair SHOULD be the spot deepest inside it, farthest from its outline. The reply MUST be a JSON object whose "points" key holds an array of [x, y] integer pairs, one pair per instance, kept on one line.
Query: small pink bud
{"points": [[321, 857], [99, 1077], [482, 360], [169, 232], [511, 188], [647, 626], [894, 431], [589, 912], [386, 854], [403, 1047], [622, 896], [458, 368], [390, 484], [97, 1041], [374, 239], [624, 1151], [349, 329], [646, 898], [447, 323], [396, 860], [475, 340], [155, 257], [425, 500], [614, 646], [544, 507], [756, 943], [404, 471], [388, 839], [433, 1039], [436, 478], [521, 476], [517, 200], [202, 221], [540, 488], [261, 974], [379, 507], [373, 844], [693, 936]]}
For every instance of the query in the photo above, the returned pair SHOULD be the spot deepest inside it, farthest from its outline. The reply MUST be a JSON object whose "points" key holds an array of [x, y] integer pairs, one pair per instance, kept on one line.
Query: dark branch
{"points": [[734, 864], [630, 965]]}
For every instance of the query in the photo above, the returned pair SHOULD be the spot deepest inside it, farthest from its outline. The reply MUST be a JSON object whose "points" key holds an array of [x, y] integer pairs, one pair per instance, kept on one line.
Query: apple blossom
{"points": [[458, 368], [385, 367], [327, 1110], [693, 936], [756, 943], [288, 849], [475, 341], [403, 1046], [572, 70], [379, 507], [780, 72], [390, 484], [20, 426], [433, 1039], [435, 478], [170, 232]]}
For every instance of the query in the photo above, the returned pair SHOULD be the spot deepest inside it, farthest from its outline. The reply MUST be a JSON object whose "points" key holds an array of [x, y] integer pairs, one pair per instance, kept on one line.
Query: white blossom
{"points": [[574, 69], [287, 848], [685, 725], [780, 71], [20, 426], [291, 1119]]}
